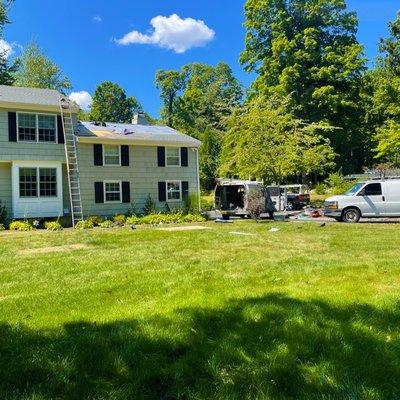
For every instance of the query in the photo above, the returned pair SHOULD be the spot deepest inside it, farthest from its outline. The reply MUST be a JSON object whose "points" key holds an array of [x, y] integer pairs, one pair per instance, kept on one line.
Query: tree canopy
{"points": [[264, 141], [111, 104], [7, 69], [38, 71], [308, 50]]}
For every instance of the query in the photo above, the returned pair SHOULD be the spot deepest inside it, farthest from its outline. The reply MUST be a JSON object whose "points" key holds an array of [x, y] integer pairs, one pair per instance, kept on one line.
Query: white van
{"points": [[371, 199]]}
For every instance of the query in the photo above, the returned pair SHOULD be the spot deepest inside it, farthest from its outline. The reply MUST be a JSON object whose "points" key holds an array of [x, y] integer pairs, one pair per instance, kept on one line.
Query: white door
{"points": [[371, 200]]}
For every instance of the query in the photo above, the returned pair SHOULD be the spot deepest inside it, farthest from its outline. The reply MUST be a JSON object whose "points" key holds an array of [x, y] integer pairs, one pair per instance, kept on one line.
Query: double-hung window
{"points": [[174, 190], [37, 128], [173, 156], [112, 191], [37, 182], [112, 155], [27, 127], [47, 128]]}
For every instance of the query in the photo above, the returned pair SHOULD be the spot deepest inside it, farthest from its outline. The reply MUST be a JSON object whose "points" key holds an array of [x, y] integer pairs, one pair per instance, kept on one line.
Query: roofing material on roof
{"points": [[140, 134]]}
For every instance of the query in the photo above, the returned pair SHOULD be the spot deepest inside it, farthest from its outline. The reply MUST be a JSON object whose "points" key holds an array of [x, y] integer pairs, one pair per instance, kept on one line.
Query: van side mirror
{"points": [[361, 193]]}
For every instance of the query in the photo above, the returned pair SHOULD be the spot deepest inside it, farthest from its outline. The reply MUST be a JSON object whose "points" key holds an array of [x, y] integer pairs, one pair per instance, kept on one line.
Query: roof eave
{"points": [[35, 107]]}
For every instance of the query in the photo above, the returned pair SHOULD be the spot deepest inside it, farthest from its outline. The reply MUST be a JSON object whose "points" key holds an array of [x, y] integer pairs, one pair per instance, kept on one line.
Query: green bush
{"points": [[192, 204], [119, 220], [163, 218], [95, 219], [106, 224], [320, 188], [53, 226], [84, 224], [149, 206], [337, 185], [21, 226], [3, 213]]}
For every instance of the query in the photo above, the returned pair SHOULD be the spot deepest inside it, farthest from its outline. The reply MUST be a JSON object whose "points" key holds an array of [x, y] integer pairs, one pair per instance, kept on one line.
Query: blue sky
{"points": [[80, 35]]}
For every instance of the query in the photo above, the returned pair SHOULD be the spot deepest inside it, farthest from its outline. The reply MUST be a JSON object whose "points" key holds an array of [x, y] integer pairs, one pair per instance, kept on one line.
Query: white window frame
{"points": [[120, 192], [37, 128], [180, 191], [104, 155], [166, 156], [38, 195]]}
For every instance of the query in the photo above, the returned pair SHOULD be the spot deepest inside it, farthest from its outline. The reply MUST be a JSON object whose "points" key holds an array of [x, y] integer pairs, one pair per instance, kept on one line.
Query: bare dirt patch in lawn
{"points": [[184, 228], [55, 249]]}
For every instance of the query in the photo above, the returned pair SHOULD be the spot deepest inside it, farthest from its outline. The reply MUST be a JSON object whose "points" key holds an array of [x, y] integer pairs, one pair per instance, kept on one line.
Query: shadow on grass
{"points": [[272, 347]]}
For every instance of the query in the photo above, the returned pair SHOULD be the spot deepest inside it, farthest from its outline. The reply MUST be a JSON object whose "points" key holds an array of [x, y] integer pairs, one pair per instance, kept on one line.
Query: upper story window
{"points": [[47, 128], [112, 155], [173, 156], [27, 127], [37, 128]]}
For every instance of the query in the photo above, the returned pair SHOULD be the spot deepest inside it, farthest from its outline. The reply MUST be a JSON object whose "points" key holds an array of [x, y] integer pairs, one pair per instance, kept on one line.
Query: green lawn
{"points": [[307, 312]]}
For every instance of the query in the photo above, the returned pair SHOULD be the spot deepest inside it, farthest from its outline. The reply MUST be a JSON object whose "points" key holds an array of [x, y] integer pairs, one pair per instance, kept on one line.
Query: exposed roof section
{"points": [[29, 96], [139, 134]]}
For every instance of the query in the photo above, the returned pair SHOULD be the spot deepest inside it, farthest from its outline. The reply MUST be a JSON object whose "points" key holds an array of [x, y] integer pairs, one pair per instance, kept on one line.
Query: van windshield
{"points": [[354, 189]]}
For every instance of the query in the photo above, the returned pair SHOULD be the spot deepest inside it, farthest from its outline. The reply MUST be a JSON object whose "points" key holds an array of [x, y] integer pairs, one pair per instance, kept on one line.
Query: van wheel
{"points": [[351, 215]]}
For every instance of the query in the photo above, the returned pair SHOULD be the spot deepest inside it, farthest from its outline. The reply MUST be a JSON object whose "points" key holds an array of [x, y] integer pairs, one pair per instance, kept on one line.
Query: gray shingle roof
{"points": [[21, 95], [135, 133]]}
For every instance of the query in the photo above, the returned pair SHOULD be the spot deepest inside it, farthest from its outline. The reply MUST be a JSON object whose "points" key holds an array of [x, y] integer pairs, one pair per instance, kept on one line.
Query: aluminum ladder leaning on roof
{"points": [[72, 160]]}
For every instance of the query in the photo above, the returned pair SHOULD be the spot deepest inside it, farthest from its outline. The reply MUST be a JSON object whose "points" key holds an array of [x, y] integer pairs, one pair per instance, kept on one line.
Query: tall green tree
{"points": [[198, 101], [264, 141], [307, 49], [384, 92], [111, 104], [7, 69], [38, 71], [170, 84]]}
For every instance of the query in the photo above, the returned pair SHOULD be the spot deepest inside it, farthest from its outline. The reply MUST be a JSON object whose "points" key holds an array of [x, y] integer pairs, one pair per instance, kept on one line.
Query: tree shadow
{"points": [[272, 347]]}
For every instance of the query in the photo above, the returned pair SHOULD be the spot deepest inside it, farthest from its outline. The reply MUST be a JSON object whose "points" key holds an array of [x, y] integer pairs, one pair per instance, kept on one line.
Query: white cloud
{"points": [[6, 48], [173, 33], [83, 99], [97, 18]]}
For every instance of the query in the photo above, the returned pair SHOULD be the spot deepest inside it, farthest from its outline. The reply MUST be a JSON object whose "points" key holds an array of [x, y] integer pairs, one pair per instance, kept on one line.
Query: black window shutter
{"points": [[185, 190], [126, 192], [125, 156], [161, 156], [98, 154], [184, 157], [99, 192], [60, 130], [162, 193], [12, 126]]}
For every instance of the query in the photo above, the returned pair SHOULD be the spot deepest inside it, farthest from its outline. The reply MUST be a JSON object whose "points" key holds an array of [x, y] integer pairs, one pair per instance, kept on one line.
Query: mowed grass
{"points": [[307, 312]]}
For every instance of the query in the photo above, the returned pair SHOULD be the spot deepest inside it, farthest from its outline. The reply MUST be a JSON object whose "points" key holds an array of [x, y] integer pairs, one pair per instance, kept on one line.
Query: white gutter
{"points": [[198, 179]]}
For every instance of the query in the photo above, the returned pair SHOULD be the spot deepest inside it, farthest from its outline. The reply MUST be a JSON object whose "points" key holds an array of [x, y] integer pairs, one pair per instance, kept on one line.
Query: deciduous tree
{"points": [[38, 71], [308, 49], [111, 104]]}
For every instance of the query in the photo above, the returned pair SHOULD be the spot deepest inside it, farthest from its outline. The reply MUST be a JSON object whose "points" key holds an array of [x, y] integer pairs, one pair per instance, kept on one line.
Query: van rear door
{"points": [[392, 197]]}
